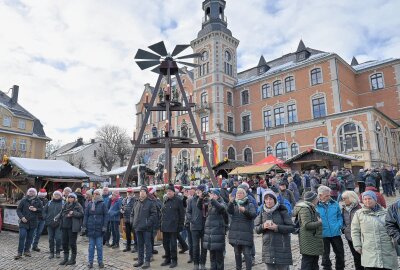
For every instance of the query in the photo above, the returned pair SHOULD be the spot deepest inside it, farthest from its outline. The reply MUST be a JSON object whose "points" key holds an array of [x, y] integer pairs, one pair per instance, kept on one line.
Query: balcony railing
{"points": [[202, 107]]}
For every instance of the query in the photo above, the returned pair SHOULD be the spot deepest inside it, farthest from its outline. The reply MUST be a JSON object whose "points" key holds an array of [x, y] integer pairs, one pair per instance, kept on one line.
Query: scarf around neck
{"points": [[95, 200], [242, 201], [271, 210]]}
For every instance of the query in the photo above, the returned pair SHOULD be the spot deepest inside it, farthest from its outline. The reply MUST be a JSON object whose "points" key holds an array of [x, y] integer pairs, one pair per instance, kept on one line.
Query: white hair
{"points": [[323, 189]]}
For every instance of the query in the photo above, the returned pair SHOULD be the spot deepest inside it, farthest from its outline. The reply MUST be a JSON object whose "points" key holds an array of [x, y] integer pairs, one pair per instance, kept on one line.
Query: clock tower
{"points": [[217, 72]]}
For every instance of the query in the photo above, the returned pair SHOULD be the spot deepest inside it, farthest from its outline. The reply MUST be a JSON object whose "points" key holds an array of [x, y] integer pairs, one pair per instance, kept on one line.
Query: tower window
{"points": [[228, 65]]}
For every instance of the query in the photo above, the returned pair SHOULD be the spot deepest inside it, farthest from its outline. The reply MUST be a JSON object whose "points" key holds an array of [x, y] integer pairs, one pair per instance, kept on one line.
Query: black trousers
{"points": [[217, 259], [246, 250], [128, 232], [356, 256], [199, 252], [189, 235], [309, 262], [107, 234], [170, 246], [337, 245], [69, 241]]}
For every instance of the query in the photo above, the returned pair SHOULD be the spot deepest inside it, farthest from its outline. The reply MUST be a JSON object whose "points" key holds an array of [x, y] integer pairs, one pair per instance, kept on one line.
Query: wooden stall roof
{"points": [[230, 164], [256, 169], [312, 151]]}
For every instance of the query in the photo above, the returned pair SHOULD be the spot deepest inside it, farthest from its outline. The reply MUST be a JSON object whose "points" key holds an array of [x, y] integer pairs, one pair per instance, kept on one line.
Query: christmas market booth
{"points": [[262, 169], [227, 165], [140, 174], [17, 175], [316, 159]]}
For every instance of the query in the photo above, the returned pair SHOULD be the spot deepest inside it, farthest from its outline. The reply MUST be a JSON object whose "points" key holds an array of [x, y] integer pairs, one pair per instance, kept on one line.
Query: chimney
{"points": [[79, 141], [92, 141], [14, 95]]}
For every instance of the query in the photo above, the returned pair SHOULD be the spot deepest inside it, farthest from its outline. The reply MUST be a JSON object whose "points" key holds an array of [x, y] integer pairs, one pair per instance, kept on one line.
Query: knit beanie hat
{"points": [[57, 193], [241, 189], [72, 195], [310, 196], [371, 194], [32, 189], [271, 194], [152, 190], [145, 189], [201, 187], [171, 187], [244, 185], [68, 189], [216, 191], [42, 192]]}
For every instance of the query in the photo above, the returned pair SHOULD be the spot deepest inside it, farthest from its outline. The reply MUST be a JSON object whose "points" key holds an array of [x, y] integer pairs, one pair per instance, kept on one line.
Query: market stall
{"points": [[17, 175], [262, 169], [227, 165], [140, 174], [316, 159]]}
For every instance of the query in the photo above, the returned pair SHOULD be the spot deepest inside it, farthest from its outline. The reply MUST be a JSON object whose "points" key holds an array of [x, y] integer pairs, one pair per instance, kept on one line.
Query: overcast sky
{"points": [[73, 59]]}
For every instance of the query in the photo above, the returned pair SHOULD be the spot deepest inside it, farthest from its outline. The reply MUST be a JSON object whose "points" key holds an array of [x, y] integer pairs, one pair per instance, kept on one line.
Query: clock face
{"points": [[204, 56], [228, 56]]}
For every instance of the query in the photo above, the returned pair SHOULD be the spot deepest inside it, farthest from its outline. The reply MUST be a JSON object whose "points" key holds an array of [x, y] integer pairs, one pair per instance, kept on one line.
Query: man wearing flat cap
{"points": [[172, 221]]}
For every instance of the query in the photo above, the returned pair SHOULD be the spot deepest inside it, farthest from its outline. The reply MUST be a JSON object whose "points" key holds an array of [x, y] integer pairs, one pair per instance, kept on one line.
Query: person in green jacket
{"points": [[370, 237], [310, 234]]}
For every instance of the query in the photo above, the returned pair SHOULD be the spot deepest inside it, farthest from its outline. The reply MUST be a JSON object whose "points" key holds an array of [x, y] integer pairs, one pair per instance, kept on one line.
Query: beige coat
{"points": [[369, 234]]}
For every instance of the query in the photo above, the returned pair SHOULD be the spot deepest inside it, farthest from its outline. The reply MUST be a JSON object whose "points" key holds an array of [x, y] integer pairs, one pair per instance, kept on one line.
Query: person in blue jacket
{"points": [[114, 218], [332, 223], [95, 225]]}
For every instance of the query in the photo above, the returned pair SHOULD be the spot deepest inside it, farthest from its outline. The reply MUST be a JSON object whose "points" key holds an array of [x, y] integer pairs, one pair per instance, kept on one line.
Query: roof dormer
{"points": [[262, 66], [302, 53]]}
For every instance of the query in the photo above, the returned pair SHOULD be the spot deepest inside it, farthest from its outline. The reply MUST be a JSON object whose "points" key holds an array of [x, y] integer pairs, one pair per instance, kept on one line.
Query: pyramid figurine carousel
{"points": [[168, 100]]}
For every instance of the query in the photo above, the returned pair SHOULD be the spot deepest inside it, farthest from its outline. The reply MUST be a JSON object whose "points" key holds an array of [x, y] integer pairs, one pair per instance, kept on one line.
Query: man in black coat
{"points": [[172, 220], [143, 218], [28, 211], [196, 213], [126, 210]]}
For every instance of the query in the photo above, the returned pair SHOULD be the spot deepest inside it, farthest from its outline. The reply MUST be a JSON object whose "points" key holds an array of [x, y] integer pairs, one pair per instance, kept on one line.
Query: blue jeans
{"points": [[54, 237], [25, 239], [38, 233], [96, 242], [144, 245], [115, 232]]}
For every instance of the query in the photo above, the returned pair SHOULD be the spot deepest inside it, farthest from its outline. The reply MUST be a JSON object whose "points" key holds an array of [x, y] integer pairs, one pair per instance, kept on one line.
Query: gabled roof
{"points": [[20, 111], [373, 63], [323, 152]]}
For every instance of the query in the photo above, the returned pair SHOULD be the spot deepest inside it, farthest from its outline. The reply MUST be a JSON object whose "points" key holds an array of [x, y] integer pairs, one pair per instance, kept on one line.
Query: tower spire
{"points": [[214, 17]]}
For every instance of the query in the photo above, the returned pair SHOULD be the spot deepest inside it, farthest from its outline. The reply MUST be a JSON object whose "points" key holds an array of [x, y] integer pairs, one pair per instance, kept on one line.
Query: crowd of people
{"points": [[318, 207]]}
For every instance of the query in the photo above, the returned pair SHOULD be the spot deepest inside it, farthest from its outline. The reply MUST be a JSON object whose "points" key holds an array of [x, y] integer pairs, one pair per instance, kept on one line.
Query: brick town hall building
{"points": [[301, 100]]}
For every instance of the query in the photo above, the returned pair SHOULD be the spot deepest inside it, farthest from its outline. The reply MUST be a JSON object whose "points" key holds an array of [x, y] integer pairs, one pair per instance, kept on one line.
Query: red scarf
{"points": [[114, 200]]}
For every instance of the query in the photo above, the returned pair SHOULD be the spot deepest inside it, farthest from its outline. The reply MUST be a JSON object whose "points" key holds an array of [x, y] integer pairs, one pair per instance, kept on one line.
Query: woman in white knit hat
{"points": [[28, 211]]}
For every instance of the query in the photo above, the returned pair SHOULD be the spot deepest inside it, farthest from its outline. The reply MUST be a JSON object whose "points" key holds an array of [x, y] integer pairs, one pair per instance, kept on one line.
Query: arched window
{"points": [[378, 136], [289, 84], [277, 87], [316, 76], [269, 151], [322, 144], [248, 155], [184, 157], [294, 149], [204, 67], [376, 81], [350, 138], [228, 64], [281, 150], [231, 153]]}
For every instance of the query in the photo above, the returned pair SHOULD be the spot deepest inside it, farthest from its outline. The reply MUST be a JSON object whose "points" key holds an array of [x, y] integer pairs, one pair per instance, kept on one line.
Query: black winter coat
{"points": [[44, 201], [95, 222], [73, 222], [241, 227], [387, 177], [172, 215], [81, 199], [127, 208], [51, 210], [215, 227], [194, 214], [31, 216], [144, 215], [276, 247]]}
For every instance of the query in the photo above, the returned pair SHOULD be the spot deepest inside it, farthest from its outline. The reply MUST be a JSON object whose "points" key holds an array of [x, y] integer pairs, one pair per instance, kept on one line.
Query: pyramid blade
{"points": [[193, 55], [145, 55], [181, 71], [187, 64], [159, 48], [178, 49], [147, 64], [156, 70]]}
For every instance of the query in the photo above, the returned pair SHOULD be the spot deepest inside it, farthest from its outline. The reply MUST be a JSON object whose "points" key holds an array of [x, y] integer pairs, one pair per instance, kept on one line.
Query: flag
{"points": [[215, 152]]}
